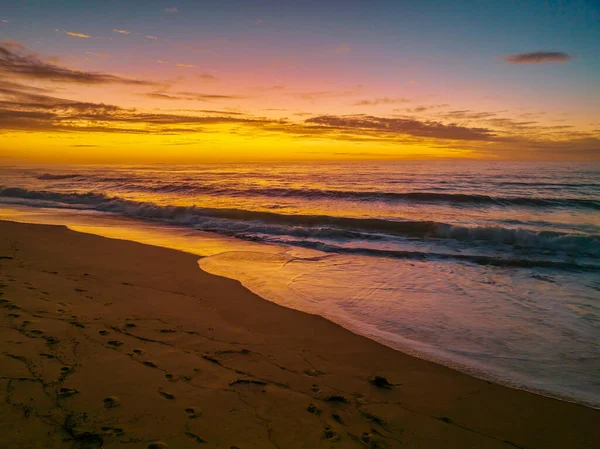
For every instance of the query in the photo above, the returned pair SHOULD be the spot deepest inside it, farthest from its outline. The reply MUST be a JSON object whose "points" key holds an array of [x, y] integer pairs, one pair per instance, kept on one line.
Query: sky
{"points": [[278, 80]]}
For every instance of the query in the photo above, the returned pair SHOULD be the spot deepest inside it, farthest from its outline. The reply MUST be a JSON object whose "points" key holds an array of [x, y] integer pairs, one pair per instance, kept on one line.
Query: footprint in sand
{"points": [[329, 433], [193, 412], [150, 364], [109, 431], [158, 445], [312, 408], [138, 351], [115, 343], [112, 402], [194, 437], [51, 340], [103, 332], [66, 392], [166, 395], [65, 371]]}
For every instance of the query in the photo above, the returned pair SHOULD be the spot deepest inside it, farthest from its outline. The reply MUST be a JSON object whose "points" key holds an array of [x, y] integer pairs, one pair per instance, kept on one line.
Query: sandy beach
{"points": [[115, 344]]}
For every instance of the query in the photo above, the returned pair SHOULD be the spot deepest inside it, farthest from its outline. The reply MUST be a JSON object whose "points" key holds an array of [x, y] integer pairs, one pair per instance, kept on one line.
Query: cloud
{"points": [[508, 123], [401, 126], [495, 120], [121, 31], [16, 61], [34, 109], [161, 62], [71, 33], [207, 77], [466, 114], [4, 21], [13, 45], [424, 108], [11, 86], [179, 64], [22, 110], [151, 37], [418, 109], [210, 111], [171, 10], [383, 100], [538, 57], [194, 96], [98, 55]]}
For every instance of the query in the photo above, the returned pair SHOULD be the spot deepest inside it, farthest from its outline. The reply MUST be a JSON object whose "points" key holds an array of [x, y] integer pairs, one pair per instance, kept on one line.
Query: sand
{"points": [[115, 344]]}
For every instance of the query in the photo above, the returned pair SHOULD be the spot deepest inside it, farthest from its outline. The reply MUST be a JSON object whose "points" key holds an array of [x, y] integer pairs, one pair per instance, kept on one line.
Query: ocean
{"points": [[491, 268]]}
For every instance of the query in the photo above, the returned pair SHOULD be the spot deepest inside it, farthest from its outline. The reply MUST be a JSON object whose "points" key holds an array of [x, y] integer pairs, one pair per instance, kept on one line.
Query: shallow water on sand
{"points": [[490, 270]]}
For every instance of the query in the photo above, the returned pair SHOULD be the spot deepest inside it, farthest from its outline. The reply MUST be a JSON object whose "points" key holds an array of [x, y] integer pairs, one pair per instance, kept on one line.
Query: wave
{"points": [[472, 258], [253, 224], [419, 197], [366, 196]]}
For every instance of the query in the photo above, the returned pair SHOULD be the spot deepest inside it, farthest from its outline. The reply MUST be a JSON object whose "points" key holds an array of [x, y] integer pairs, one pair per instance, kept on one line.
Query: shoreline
{"points": [[459, 366], [226, 245], [233, 351]]}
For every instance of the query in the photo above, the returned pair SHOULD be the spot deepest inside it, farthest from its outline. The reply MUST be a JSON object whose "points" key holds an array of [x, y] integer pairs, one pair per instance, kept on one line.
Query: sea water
{"points": [[492, 268]]}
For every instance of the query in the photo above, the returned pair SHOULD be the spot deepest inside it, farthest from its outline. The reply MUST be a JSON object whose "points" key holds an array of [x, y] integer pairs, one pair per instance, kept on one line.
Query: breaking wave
{"points": [[300, 229]]}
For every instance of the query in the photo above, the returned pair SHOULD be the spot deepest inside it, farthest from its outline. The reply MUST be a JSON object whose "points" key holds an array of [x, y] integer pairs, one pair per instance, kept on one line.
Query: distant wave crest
{"points": [[325, 194], [416, 197]]}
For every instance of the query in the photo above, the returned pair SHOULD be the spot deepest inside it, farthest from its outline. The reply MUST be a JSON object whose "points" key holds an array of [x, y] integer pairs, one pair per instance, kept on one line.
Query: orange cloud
{"points": [[400, 126], [151, 37], [195, 96], [384, 100], [122, 31], [71, 33], [185, 65]]}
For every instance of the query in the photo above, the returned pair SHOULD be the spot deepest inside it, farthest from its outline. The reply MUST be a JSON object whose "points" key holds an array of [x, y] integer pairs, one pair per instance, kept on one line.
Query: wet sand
{"points": [[114, 344]]}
